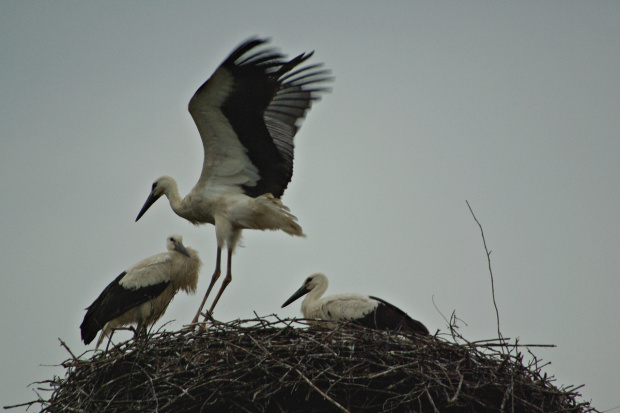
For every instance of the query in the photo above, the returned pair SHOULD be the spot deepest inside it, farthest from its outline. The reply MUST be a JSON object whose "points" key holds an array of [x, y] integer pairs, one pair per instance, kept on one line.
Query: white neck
{"points": [[311, 302], [171, 190]]}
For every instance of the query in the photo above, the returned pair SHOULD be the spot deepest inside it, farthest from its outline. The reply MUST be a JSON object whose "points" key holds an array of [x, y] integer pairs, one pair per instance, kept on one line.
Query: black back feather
{"points": [[114, 301], [389, 317]]}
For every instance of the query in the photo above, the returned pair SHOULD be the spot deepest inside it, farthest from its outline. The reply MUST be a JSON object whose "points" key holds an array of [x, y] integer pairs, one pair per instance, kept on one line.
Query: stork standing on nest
{"points": [[141, 294], [368, 311], [247, 115]]}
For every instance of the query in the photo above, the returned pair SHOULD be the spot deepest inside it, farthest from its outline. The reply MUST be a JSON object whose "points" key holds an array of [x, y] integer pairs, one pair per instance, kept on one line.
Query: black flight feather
{"points": [[389, 317], [113, 302], [268, 101]]}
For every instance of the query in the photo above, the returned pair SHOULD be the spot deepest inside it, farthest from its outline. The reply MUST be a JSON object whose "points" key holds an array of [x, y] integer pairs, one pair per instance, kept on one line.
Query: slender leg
{"points": [[140, 329], [102, 336], [109, 341], [214, 277], [225, 283]]}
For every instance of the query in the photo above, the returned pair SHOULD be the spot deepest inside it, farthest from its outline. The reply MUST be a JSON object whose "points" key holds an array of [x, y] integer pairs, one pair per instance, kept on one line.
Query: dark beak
{"points": [[149, 201], [180, 248], [299, 293]]}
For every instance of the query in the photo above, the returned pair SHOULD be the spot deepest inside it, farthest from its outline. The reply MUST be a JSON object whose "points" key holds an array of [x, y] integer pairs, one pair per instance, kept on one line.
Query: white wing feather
{"points": [[225, 158], [346, 306], [150, 271]]}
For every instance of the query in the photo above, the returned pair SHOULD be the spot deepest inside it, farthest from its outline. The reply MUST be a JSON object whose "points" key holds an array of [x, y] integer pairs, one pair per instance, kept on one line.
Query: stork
{"points": [[247, 114], [141, 294], [368, 311]]}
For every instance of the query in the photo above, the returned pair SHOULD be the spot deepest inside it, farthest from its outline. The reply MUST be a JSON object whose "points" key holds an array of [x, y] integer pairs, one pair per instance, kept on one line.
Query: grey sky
{"points": [[514, 107]]}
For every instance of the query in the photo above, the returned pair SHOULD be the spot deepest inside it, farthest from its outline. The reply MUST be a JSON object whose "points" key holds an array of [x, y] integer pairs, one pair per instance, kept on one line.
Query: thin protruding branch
{"points": [[62, 343], [488, 253]]}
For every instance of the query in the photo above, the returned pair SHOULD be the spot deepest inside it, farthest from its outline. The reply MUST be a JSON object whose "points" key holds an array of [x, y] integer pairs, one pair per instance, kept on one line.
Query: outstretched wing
{"points": [[248, 113]]}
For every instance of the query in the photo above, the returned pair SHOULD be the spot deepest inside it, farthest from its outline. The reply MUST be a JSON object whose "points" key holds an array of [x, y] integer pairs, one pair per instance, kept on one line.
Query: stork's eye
{"points": [[154, 186], [308, 280]]}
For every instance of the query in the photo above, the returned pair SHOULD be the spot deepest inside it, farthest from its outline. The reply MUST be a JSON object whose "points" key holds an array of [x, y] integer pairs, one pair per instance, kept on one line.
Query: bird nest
{"points": [[274, 365]]}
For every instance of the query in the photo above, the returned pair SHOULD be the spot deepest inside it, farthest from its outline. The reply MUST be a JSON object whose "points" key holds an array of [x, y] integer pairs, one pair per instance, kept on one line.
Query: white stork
{"points": [[368, 311], [141, 294], [247, 114]]}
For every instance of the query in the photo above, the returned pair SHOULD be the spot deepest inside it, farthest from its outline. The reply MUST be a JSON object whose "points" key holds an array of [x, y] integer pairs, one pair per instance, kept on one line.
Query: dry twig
{"points": [[269, 364]]}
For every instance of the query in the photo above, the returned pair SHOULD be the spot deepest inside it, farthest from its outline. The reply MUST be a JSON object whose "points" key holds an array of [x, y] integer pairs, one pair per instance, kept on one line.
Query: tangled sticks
{"points": [[268, 364]]}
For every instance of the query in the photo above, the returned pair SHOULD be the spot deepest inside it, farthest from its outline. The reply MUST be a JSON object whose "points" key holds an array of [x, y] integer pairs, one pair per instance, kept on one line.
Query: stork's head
{"points": [[316, 281], [162, 186], [174, 242]]}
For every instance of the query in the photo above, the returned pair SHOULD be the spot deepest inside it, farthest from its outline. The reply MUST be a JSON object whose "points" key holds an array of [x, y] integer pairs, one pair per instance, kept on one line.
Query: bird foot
{"points": [[208, 317], [202, 325]]}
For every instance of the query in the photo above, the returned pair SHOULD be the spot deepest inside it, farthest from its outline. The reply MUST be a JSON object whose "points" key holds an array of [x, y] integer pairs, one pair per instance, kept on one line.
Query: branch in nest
{"points": [[269, 364]]}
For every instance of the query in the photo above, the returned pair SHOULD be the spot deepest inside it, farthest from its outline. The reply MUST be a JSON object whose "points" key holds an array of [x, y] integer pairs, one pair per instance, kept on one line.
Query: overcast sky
{"points": [[514, 107]]}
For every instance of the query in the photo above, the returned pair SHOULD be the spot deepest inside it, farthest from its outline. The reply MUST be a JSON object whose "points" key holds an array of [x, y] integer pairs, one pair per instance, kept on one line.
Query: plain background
{"points": [[513, 107]]}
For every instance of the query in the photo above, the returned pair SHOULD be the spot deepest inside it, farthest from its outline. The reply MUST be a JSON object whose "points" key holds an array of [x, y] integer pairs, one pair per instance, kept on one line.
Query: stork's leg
{"points": [[107, 347], [225, 283], [140, 330], [105, 333], [214, 277]]}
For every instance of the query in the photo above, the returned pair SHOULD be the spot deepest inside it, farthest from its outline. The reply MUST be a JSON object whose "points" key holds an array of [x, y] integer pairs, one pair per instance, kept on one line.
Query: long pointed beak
{"points": [[299, 293], [181, 248], [149, 201]]}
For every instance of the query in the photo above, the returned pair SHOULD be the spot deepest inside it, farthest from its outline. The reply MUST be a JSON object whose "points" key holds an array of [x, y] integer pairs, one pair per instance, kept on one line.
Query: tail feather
{"points": [[271, 213], [89, 328]]}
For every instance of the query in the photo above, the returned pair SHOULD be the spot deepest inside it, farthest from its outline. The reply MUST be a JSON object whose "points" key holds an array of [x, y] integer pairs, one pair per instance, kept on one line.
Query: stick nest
{"points": [[273, 365]]}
